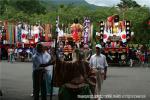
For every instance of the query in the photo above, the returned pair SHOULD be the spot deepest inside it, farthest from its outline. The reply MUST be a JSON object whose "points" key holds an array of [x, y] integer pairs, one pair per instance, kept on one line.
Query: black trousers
{"points": [[39, 83], [105, 73], [1, 94]]}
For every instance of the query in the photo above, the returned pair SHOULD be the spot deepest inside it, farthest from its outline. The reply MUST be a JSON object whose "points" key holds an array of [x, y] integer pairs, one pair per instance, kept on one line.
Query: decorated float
{"points": [[78, 37], [114, 36], [23, 36]]}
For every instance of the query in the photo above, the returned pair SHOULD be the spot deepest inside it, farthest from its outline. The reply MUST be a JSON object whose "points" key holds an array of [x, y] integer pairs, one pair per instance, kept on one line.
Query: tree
{"points": [[128, 4], [3, 4], [30, 6]]}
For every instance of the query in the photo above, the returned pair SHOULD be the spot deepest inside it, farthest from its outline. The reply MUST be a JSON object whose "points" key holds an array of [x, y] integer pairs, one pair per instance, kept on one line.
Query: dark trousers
{"points": [[39, 83], [1, 94]]}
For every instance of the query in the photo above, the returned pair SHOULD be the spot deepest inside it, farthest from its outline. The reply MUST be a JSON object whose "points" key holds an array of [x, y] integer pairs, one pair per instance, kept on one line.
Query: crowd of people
{"points": [[138, 57], [85, 76], [78, 71], [80, 75], [13, 54]]}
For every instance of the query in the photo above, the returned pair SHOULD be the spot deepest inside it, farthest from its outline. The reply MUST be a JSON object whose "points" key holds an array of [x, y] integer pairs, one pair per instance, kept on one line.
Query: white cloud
{"points": [[114, 2], [143, 2], [103, 2]]}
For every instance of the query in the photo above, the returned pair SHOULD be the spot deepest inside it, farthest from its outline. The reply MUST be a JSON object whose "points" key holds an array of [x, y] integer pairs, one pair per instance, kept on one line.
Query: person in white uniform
{"points": [[98, 63]]}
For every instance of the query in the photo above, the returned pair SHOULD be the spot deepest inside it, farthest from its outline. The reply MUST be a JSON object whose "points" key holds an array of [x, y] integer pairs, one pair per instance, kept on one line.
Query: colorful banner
{"points": [[10, 33], [13, 32], [87, 30], [19, 33], [6, 29]]}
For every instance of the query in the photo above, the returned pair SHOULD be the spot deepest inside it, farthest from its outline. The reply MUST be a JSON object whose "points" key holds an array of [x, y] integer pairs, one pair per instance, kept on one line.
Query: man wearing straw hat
{"points": [[99, 64]]}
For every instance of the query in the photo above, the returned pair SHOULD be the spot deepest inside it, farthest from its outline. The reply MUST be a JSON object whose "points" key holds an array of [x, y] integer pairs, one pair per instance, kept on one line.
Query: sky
{"points": [[114, 2]]}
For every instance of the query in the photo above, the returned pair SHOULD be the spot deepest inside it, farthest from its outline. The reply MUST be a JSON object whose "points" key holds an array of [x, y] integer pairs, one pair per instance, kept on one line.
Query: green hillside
{"points": [[53, 4], [58, 2]]}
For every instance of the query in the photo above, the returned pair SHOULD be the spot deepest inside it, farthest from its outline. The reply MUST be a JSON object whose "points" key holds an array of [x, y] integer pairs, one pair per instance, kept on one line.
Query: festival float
{"points": [[78, 37], [114, 36], [23, 36]]}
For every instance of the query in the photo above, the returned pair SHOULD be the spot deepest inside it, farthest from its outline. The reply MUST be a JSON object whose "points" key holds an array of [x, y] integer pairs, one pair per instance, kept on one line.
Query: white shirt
{"points": [[40, 58], [98, 61]]}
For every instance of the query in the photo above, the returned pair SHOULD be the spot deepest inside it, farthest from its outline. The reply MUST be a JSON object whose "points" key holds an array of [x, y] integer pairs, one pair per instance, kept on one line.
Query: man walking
{"points": [[99, 64]]}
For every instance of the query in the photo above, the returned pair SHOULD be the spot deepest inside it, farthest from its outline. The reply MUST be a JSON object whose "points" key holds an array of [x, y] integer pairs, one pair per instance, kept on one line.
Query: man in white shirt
{"points": [[41, 60], [99, 64]]}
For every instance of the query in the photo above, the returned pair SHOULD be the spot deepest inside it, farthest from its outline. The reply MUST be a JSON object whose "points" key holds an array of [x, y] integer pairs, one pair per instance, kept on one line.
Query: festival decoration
{"points": [[128, 31], [6, 29], [76, 30], [87, 26], [114, 35], [24, 35], [123, 36], [36, 33]]}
